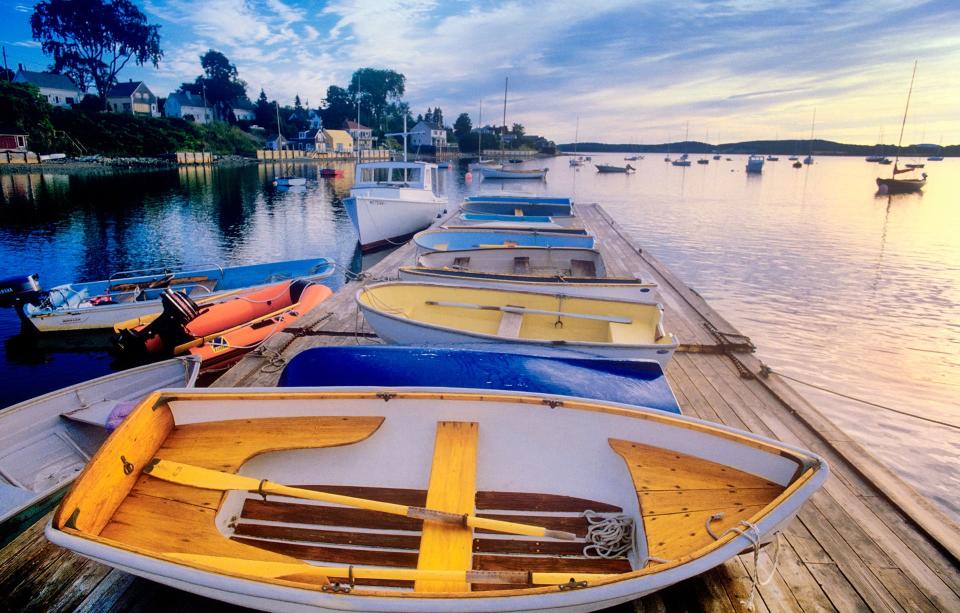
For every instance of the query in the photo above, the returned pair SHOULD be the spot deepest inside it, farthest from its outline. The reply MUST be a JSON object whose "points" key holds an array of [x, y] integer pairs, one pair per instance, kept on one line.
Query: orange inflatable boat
{"points": [[222, 331]]}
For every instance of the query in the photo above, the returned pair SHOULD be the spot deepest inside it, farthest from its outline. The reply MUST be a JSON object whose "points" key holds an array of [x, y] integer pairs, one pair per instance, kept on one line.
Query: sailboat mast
{"points": [[404, 137], [506, 84], [904, 122], [812, 124], [480, 134], [276, 103]]}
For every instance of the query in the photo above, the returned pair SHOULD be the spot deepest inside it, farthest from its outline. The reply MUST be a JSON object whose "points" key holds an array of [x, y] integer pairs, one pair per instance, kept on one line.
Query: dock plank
{"points": [[866, 541]]}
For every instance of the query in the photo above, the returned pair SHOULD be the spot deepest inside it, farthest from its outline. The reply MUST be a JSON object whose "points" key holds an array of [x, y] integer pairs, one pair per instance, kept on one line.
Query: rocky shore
{"points": [[105, 165]]}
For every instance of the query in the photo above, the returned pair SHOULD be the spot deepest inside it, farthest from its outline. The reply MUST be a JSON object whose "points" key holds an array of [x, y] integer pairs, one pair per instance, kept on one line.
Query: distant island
{"points": [[767, 147]]}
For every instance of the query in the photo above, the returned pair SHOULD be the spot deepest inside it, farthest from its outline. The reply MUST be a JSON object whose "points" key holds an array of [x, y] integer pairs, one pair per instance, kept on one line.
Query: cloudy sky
{"points": [[634, 70]]}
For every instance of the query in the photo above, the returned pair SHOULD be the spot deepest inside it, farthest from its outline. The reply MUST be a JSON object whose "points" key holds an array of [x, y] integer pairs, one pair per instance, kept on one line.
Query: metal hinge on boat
{"points": [[552, 403], [572, 585], [386, 396]]}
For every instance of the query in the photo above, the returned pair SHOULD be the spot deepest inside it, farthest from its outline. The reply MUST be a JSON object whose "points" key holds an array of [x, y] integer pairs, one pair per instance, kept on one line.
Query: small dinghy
{"points": [[502, 172], [608, 168], [425, 500], [46, 441], [556, 270], [533, 323], [454, 240], [128, 295], [289, 181], [518, 206], [222, 331], [632, 382]]}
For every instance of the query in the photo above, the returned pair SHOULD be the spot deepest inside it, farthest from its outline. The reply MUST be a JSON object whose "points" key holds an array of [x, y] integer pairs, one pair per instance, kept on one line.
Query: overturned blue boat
{"points": [[632, 382], [459, 239]]}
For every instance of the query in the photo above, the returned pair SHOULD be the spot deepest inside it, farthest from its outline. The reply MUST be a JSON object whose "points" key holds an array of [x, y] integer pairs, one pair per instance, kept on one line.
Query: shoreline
{"points": [[107, 165]]}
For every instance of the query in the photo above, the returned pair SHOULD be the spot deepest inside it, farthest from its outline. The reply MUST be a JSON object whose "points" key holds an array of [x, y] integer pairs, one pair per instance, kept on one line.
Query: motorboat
{"points": [[512, 321], [457, 240], [93, 305], [390, 201], [755, 164], [381, 499]]}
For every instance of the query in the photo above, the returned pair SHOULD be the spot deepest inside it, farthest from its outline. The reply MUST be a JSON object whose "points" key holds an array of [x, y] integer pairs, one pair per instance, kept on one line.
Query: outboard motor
{"points": [[160, 336], [20, 290]]}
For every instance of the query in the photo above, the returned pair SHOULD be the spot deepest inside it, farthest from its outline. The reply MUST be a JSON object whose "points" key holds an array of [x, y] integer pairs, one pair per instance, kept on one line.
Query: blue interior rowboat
{"points": [[495, 217], [636, 383], [455, 240], [517, 208], [519, 199]]}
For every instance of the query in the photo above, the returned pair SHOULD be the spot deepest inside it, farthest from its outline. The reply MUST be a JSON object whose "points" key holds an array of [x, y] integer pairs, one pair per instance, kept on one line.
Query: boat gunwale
{"points": [[809, 465], [527, 278]]}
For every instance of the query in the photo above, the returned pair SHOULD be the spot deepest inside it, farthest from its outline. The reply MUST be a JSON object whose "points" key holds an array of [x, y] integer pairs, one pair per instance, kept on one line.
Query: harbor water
{"points": [[840, 288]]}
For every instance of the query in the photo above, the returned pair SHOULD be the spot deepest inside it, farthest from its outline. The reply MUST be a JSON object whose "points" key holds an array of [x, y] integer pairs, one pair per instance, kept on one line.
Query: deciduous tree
{"points": [[220, 83]]}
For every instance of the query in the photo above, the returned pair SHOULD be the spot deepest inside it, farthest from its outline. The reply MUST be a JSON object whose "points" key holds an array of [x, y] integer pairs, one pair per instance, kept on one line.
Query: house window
{"points": [[57, 99], [69, 100], [21, 142]]}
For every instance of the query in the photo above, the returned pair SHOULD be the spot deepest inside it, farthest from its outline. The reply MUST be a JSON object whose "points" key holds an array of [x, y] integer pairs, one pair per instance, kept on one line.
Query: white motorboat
{"points": [[391, 201]]}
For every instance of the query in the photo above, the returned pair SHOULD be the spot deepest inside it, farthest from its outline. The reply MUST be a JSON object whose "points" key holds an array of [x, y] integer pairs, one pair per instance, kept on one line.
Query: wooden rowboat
{"points": [[426, 500], [457, 240], [46, 441], [533, 323]]}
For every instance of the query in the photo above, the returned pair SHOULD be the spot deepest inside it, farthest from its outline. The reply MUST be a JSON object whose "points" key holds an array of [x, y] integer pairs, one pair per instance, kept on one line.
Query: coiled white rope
{"points": [[608, 536], [752, 533]]}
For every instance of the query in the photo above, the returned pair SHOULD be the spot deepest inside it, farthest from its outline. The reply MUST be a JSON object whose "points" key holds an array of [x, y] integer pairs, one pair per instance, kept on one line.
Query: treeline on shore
{"points": [[85, 131], [765, 147]]}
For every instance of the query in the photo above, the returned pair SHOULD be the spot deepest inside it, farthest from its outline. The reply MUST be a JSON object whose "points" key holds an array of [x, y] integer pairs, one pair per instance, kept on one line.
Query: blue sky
{"points": [[635, 71]]}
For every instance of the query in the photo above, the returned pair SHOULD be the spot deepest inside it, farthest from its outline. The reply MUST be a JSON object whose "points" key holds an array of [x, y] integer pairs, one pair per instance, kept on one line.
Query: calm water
{"points": [[836, 286]]}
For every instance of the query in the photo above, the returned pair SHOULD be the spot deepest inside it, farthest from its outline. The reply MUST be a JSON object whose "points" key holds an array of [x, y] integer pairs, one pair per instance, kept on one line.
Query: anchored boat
{"points": [[456, 240], [755, 164], [557, 270], [223, 331], [392, 200], [633, 382], [535, 323], [46, 441], [425, 500], [609, 168], [128, 295]]}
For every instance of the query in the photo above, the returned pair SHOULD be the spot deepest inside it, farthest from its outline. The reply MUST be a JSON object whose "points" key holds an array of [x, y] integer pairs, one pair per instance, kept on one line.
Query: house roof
{"points": [[352, 125], [123, 90], [185, 99], [242, 104], [47, 79], [339, 137]]}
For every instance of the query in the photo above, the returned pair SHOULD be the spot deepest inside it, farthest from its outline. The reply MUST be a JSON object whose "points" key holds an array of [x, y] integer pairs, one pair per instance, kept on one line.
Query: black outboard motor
{"points": [[20, 290], [163, 334]]}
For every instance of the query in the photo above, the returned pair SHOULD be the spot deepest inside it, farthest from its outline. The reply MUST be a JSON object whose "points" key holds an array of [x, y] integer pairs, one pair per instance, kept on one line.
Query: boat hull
{"points": [[45, 441], [219, 284], [455, 240], [505, 173], [386, 222], [586, 287], [518, 209], [900, 186]]}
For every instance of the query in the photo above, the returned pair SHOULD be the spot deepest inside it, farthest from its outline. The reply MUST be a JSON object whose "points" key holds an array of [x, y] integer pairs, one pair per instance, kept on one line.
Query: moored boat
{"points": [[390, 201], [289, 181], [557, 483], [609, 168], [456, 240], [755, 164], [223, 331], [535, 323], [502, 172], [901, 186], [634, 382], [93, 305], [46, 441], [517, 209], [567, 271]]}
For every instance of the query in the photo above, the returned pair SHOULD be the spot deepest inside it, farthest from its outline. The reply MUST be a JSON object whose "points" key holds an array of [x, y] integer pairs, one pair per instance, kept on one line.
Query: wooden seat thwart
{"points": [[678, 493], [510, 324], [453, 487], [583, 268]]}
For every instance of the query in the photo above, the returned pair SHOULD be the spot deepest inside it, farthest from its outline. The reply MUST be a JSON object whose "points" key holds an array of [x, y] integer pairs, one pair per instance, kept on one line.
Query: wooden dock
{"points": [[866, 541]]}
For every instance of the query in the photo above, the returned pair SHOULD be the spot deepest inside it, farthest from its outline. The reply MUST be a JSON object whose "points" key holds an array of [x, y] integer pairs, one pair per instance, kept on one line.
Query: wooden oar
{"points": [[522, 310], [273, 570], [204, 478]]}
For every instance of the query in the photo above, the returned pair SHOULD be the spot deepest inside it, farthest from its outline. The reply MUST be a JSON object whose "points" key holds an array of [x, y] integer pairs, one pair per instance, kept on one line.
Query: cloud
{"points": [[31, 44]]}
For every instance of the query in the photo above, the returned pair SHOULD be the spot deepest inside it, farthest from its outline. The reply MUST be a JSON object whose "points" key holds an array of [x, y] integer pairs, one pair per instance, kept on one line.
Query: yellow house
{"points": [[338, 141]]}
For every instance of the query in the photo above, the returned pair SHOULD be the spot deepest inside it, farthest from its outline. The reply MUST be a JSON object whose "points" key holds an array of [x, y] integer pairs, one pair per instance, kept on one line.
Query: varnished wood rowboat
{"points": [[416, 500]]}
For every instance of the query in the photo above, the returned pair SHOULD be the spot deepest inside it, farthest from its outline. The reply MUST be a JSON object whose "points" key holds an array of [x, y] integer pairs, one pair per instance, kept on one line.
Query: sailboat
{"points": [[501, 171], [877, 157], [939, 156], [575, 161], [809, 158], [286, 180], [683, 161], [705, 160], [893, 185]]}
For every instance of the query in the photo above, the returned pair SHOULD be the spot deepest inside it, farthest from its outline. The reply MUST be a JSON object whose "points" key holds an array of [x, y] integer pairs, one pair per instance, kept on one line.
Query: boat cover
{"points": [[629, 382]]}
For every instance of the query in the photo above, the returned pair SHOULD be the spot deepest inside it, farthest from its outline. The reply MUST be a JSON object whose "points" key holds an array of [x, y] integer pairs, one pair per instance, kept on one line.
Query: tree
{"points": [[297, 106], [264, 111], [91, 41], [338, 107], [219, 84], [376, 88], [438, 117], [428, 116], [6, 74], [461, 128], [518, 130]]}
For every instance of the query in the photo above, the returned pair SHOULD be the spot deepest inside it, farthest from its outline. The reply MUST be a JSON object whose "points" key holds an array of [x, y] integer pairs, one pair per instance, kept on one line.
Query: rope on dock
{"points": [[766, 370]]}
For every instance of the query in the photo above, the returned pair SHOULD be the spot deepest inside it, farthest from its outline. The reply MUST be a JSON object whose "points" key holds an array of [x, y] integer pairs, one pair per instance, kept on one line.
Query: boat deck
{"points": [[866, 541]]}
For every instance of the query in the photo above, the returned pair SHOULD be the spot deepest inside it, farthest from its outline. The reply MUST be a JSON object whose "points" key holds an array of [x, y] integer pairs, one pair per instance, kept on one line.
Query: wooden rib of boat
{"points": [[127, 295], [535, 323], [568, 271], [223, 331], [456, 240], [424, 502], [46, 441], [633, 382]]}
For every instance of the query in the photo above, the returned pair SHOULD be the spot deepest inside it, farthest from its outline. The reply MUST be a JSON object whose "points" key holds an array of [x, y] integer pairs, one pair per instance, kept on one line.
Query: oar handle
{"points": [[485, 523]]}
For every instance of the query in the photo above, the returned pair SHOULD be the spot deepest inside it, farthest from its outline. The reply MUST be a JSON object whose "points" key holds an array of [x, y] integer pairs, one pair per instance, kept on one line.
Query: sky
{"points": [[634, 71]]}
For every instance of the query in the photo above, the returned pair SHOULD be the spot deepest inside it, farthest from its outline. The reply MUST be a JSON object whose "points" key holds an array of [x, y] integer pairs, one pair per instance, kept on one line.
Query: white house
{"points": [[243, 110], [58, 89], [362, 135], [132, 97], [182, 104], [428, 135]]}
